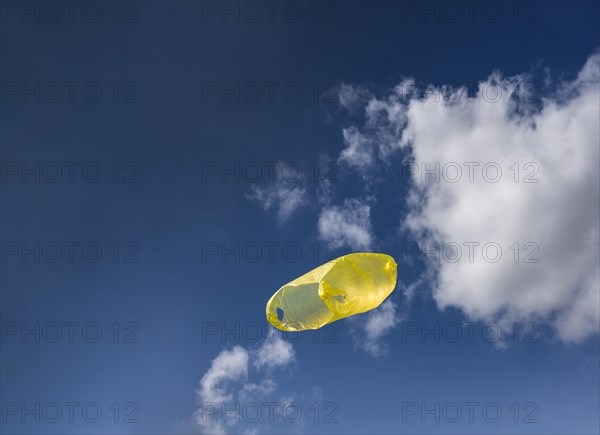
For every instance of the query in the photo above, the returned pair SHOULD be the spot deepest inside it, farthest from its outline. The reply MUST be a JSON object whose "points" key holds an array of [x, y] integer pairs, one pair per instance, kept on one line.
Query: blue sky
{"points": [[167, 166]]}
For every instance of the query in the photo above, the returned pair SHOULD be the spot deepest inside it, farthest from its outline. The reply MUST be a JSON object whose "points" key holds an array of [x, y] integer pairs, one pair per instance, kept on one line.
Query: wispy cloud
{"points": [[275, 352], [226, 369], [369, 333], [359, 152], [347, 225], [230, 381], [353, 98], [284, 195]]}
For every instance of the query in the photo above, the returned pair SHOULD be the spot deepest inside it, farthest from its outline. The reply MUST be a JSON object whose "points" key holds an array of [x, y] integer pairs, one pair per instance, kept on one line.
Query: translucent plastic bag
{"points": [[348, 285]]}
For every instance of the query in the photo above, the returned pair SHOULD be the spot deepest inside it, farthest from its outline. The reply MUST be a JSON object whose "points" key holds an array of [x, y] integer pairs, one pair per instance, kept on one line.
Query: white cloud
{"points": [[227, 366], [559, 139], [352, 97], [255, 391], [378, 323], [347, 225], [230, 384], [359, 152], [385, 120], [285, 194], [275, 352], [215, 387], [327, 177]]}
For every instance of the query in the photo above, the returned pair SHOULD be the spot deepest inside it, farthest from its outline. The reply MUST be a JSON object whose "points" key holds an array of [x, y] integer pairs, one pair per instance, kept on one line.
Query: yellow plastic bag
{"points": [[348, 285]]}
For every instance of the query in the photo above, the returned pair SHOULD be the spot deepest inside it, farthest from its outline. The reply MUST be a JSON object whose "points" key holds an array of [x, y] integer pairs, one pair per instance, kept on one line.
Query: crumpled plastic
{"points": [[349, 285]]}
